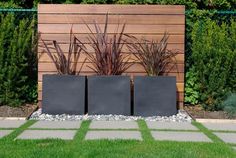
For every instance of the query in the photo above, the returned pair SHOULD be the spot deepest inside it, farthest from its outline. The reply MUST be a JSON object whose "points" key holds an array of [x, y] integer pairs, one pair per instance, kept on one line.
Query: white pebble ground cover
{"points": [[182, 116]]}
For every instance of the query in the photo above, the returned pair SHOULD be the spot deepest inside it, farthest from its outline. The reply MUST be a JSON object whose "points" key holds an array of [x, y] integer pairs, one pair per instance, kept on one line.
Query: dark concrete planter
{"points": [[109, 95], [155, 96], [63, 94]]}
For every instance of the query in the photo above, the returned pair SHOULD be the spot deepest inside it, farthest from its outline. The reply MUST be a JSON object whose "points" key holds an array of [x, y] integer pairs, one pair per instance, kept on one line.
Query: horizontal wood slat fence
{"points": [[149, 21]]}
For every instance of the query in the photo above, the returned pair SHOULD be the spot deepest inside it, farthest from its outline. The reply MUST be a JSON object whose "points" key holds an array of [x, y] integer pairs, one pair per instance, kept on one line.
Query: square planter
{"points": [[155, 95], [109, 95], [63, 94]]}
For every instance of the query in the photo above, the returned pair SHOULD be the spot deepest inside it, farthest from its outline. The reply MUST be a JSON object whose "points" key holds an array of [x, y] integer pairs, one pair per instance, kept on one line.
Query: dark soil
{"points": [[22, 111], [198, 112]]}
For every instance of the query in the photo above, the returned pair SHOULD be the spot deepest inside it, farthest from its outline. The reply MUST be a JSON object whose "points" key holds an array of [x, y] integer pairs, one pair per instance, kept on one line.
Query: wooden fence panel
{"points": [[149, 21]]}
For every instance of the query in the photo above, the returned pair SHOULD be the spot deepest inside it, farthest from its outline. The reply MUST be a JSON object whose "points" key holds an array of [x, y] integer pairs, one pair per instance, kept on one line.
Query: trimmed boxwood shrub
{"points": [[18, 73], [214, 56]]}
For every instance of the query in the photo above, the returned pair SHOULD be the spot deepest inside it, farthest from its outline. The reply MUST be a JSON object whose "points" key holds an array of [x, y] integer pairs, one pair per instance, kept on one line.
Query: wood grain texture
{"points": [[86, 67], [111, 9], [129, 29], [65, 38], [113, 19], [148, 21], [44, 58], [65, 47]]}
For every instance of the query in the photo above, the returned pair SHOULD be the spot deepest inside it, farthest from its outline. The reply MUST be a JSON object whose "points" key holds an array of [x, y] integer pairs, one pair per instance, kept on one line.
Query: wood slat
{"points": [[151, 21], [180, 96], [111, 9], [180, 105], [65, 38], [65, 47], [112, 19], [134, 68], [44, 58], [179, 76], [132, 29]]}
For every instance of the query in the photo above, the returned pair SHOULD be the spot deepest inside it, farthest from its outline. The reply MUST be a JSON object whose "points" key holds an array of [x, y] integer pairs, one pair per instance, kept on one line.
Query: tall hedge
{"points": [[190, 4], [17, 67], [214, 62]]}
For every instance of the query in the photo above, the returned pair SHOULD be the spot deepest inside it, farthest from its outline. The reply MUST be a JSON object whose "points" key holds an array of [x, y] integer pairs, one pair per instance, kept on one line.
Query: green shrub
{"points": [[192, 86], [229, 105], [8, 5], [214, 56], [17, 61], [190, 4]]}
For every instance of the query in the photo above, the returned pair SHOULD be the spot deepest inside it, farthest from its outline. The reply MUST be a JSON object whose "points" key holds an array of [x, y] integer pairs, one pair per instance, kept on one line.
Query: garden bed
{"points": [[22, 111], [197, 112]]}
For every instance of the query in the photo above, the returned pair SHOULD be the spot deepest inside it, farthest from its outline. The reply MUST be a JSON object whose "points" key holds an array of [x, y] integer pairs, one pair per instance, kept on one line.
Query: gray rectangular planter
{"points": [[109, 95], [63, 94], [155, 96]]}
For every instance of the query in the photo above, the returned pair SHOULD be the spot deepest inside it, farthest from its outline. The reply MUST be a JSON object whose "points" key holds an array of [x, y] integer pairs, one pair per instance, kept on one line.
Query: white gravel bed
{"points": [[182, 116]]}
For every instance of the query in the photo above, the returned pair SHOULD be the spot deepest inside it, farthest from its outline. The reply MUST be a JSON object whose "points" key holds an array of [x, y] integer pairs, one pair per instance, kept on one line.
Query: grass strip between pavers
{"points": [[207, 132], [212, 136], [119, 129], [145, 131], [63, 129], [81, 133], [19, 130], [175, 130], [232, 144], [223, 131], [7, 128]]}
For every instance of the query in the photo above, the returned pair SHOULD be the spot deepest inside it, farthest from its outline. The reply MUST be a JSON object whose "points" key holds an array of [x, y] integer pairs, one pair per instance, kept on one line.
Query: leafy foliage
{"points": [[192, 87], [229, 104], [214, 56], [108, 58], [16, 49], [154, 56], [190, 4], [8, 5], [66, 65]]}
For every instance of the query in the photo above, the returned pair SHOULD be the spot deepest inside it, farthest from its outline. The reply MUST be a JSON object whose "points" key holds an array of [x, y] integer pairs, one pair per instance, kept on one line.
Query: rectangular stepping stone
{"points": [[180, 136], [11, 123], [227, 137], [113, 125], [170, 125], [57, 124], [221, 126], [92, 135], [48, 134], [4, 133]]}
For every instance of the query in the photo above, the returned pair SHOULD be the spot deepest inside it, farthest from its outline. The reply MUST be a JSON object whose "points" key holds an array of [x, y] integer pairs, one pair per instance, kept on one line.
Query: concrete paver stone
{"points": [[114, 125], [180, 136], [47, 134], [92, 135], [11, 123]]}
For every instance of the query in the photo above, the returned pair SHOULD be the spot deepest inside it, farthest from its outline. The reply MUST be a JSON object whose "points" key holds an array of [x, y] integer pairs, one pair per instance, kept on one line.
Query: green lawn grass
{"points": [[12, 148]]}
